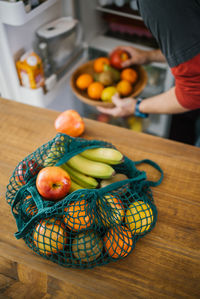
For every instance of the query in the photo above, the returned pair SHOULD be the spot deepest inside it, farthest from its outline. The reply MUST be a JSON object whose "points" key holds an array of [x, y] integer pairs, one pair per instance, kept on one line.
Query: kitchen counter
{"points": [[164, 264]]}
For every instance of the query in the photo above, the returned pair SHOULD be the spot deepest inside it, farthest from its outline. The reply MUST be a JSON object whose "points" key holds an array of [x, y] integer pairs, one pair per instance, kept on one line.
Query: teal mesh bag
{"points": [[88, 227]]}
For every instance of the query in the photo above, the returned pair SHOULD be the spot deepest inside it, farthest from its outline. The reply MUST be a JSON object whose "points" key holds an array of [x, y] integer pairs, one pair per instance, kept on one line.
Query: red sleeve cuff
{"points": [[187, 99], [187, 76]]}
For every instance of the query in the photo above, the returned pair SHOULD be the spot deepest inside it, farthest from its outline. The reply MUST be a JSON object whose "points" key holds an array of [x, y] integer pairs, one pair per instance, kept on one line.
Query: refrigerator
{"points": [[104, 25]]}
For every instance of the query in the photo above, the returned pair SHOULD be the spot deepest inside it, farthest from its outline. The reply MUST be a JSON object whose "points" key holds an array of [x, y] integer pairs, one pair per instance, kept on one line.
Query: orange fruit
{"points": [[31, 208], [111, 210], [124, 87], [129, 74], [118, 242], [50, 236], [76, 215], [83, 81], [87, 246], [99, 64], [95, 90]]}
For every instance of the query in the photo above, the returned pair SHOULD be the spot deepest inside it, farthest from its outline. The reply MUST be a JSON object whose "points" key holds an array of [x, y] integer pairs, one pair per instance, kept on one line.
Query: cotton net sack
{"points": [[88, 227]]}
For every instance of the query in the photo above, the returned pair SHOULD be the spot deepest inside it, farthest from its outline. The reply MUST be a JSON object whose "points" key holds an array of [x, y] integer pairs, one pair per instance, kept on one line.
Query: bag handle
{"points": [[36, 197], [30, 188], [22, 232], [39, 204], [157, 167]]}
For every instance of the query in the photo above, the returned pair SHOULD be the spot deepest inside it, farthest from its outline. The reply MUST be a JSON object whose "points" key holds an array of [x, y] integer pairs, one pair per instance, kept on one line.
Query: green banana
{"points": [[103, 154], [80, 178], [74, 187], [91, 168]]}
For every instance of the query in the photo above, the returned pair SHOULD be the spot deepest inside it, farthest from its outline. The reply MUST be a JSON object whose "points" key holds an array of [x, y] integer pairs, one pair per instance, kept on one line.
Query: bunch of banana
{"points": [[90, 165], [79, 179]]}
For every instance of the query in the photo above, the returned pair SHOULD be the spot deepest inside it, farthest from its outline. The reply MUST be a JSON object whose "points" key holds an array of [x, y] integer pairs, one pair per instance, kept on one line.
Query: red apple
{"points": [[117, 57], [25, 170], [53, 183]]}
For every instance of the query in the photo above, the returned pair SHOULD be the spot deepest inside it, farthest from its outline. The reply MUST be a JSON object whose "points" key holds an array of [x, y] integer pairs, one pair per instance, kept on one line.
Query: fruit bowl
{"points": [[82, 95]]}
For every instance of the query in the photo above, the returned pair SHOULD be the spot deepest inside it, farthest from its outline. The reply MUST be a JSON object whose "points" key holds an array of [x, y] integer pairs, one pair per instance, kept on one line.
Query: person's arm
{"points": [[138, 56], [155, 56], [165, 103]]}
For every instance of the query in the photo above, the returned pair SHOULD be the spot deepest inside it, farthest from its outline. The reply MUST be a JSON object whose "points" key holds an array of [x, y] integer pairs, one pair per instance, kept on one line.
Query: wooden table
{"points": [[164, 264]]}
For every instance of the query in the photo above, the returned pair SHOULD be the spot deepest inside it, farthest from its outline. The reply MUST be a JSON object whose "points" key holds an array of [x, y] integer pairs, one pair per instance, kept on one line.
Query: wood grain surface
{"points": [[164, 264]]}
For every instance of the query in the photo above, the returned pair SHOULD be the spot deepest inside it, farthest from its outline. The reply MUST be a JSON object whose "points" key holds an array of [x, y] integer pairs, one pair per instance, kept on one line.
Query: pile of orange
{"points": [[89, 82], [80, 222]]}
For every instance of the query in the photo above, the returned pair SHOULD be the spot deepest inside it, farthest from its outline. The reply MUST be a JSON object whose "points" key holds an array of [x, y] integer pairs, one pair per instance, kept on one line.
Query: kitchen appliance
{"points": [[63, 37], [107, 27]]}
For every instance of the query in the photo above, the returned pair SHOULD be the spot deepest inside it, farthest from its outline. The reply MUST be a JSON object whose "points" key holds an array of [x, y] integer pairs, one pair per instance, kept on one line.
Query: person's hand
{"points": [[137, 56], [123, 107]]}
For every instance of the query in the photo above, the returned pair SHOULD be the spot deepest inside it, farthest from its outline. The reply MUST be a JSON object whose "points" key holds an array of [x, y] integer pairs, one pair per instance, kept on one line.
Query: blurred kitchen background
{"points": [[66, 33]]}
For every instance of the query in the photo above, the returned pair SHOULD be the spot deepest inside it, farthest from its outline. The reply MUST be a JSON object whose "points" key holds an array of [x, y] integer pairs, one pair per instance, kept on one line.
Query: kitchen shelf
{"points": [[13, 13], [107, 44], [119, 13], [37, 97]]}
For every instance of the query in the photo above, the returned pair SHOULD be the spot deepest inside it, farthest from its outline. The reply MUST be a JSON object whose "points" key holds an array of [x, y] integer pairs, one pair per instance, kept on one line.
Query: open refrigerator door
{"points": [[115, 23], [84, 38], [60, 48]]}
